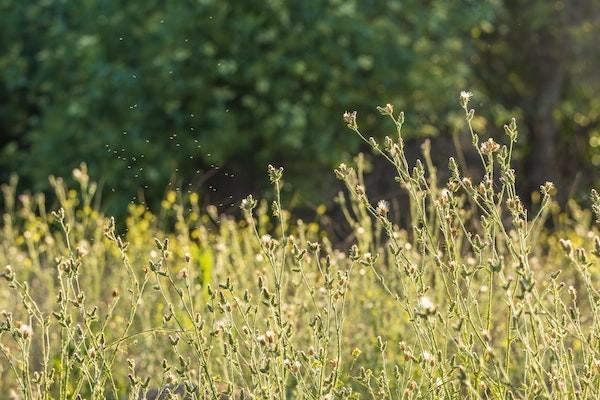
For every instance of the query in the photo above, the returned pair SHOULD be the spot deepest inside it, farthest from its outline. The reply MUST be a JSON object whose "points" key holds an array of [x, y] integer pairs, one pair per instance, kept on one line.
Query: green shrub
{"points": [[138, 89]]}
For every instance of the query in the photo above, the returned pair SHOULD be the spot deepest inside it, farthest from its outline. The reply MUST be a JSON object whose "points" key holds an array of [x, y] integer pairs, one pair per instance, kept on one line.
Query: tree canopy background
{"points": [[203, 94]]}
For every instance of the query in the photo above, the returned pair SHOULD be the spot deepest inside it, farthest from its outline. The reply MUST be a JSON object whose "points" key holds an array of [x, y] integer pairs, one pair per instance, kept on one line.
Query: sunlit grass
{"points": [[476, 299]]}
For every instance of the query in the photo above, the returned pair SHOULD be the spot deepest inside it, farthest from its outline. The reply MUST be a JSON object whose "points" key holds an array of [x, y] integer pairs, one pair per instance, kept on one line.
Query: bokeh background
{"points": [[202, 95]]}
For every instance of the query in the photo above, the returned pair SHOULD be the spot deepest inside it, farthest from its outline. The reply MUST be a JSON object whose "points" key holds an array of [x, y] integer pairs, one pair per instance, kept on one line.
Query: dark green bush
{"points": [[139, 88]]}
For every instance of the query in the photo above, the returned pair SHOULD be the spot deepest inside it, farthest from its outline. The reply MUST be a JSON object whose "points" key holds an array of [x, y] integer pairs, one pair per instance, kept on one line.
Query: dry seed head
{"points": [[350, 119], [426, 305], [342, 171], [515, 205], [489, 147], [486, 335], [444, 197], [388, 109], [25, 331], [275, 174], [383, 208], [452, 265], [548, 189], [261, 339], [453, 186], [270, 336], [428, 358], [464, 98], [218, 327], [313, 246], [293, 366], [266, 240], [248, 204]]}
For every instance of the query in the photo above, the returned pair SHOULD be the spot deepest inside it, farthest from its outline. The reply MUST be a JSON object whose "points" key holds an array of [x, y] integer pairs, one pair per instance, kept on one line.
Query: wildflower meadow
{"points": [[480, 296]]}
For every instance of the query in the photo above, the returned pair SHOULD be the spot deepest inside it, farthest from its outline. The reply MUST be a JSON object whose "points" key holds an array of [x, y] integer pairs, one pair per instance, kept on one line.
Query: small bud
{"points": [[373, 143], [360, 190], [183, 273], [581, 255], [8, 273], [567, 246], [573, 292], [511, 129], [596, 204], [173, 339], [354, 253]]}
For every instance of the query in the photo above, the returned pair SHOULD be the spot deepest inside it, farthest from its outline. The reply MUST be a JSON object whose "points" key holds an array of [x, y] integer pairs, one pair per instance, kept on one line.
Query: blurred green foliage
{"points": [[250, 82], [539, 61], [148, 90]]}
